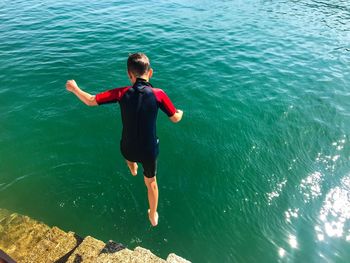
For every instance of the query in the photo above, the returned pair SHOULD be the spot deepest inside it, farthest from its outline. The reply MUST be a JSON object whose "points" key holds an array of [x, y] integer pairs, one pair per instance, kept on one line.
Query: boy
{"points": [[139, 105]]}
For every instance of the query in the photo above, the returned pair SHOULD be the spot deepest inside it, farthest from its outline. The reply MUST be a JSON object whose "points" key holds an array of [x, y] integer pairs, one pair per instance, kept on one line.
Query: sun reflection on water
{"points": [[291, 213], [335, 212], [311, 186], [293, 241], [276, 193], [281, 252]]}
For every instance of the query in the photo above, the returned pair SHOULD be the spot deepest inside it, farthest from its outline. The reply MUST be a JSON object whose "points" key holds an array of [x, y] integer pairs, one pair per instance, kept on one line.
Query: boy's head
{"points": [[139, 67]]}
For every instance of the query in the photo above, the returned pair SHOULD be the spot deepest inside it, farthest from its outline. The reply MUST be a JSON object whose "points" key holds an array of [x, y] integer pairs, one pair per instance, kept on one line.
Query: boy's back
{"points": [[139, 109]]}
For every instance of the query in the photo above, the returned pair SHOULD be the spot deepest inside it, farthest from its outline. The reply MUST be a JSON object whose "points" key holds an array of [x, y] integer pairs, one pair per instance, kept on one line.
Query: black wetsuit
{"points": [[139, 106]]}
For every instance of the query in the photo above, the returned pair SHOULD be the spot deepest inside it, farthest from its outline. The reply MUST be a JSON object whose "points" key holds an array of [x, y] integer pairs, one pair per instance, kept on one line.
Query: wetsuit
{"points": [[139, 106]]}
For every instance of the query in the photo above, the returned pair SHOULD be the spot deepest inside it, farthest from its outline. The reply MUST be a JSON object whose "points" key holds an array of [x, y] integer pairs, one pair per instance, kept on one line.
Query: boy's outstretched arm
{"points": [[177, 116], [85, 97]]}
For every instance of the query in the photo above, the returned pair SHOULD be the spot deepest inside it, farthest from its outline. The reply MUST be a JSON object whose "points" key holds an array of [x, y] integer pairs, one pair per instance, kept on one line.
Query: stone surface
{"points": [[173, 258], [87, 251], [56, 245], [29, 241], [19, 234], [121, 256], [146, 256]]}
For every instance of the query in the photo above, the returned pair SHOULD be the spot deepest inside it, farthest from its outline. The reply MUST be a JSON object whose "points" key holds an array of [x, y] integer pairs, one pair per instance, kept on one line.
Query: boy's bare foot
{"points": [[153, 218], [132, 167]]}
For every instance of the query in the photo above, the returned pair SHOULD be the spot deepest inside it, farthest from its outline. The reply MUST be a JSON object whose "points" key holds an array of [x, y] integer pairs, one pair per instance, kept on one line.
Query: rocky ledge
{"points": [[29, 241]]}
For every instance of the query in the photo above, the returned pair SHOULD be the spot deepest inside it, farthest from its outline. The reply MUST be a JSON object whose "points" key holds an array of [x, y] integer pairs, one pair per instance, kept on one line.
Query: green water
{"points": [[258, 169]]}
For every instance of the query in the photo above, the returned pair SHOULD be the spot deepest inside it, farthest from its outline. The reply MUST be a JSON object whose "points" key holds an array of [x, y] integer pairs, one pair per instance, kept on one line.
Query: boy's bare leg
{"points": [[133, 167], [152, 191]]}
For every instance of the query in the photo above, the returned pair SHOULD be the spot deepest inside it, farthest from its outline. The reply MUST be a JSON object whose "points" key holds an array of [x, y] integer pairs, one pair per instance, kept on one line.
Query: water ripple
{"points": [[264, 86], [335, 213]]}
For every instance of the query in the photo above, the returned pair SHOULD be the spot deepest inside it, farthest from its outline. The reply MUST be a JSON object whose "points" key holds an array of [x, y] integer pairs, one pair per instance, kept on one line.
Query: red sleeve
{"points": [[109, 96], [164, 102]]}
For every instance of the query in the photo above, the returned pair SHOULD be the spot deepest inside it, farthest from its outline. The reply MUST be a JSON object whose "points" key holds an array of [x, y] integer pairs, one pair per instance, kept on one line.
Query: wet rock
{"points": [[3, 214]]}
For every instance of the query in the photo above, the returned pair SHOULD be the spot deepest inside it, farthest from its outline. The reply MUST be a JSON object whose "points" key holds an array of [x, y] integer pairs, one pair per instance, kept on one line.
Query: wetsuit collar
{"points": [[141, 79], [138, 80]]}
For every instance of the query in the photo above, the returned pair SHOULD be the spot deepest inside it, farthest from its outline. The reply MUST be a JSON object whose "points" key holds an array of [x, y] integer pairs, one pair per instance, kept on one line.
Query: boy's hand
{"points": [[71, 85], [177, 116]]}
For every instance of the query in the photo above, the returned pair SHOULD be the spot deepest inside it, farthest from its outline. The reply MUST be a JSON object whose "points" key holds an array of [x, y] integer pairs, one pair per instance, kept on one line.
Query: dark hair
{"points": [[138, 64]]}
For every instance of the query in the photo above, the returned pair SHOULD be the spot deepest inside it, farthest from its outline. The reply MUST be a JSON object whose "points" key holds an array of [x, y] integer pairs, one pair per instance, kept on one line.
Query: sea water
{"points": [[258, 169]]}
